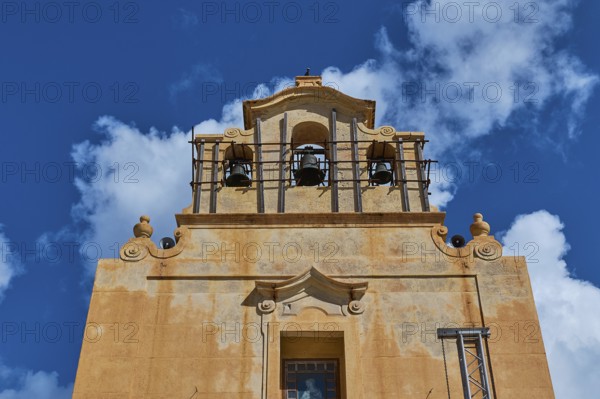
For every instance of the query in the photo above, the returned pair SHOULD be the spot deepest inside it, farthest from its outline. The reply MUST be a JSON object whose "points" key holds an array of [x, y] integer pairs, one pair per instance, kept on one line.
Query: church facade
{"points": [[310, 264]]}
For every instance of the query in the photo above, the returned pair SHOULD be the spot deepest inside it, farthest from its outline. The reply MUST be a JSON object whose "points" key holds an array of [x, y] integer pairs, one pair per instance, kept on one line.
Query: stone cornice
{"points": [[311, 219]]}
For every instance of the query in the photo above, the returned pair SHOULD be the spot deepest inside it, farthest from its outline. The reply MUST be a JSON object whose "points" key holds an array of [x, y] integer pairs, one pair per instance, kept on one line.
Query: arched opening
{"points": [[237, 165], [380, 161], [309, 159]]}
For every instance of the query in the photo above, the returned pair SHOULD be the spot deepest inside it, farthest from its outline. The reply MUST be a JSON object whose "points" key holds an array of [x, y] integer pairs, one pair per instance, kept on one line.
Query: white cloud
{"points": [[38, 385], [567, 307], [9, 265], [231, 116], [464, 78], [498, 54], [130, 173]]}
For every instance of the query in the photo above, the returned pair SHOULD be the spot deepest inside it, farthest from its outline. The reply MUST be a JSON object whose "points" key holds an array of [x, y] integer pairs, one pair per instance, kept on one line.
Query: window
{"points": [[312, 365], [311, 379]]}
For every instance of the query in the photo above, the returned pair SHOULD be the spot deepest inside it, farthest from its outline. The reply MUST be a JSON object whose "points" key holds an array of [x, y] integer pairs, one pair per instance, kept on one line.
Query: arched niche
{"points": [[238, 161], [239, 151], [380, 162], [310, 138], [310, 132]]}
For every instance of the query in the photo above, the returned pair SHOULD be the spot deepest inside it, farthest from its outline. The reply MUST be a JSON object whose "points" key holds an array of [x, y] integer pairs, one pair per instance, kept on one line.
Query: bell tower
{"points": [[309, 149], [310, 264]]}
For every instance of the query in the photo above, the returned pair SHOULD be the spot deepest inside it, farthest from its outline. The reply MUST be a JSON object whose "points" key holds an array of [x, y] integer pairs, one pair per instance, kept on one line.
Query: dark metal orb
{"points": [[458, 241]]}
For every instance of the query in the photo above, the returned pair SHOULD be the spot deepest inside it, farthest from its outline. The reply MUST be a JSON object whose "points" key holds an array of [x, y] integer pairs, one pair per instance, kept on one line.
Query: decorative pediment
{"points": [[312, 289]]}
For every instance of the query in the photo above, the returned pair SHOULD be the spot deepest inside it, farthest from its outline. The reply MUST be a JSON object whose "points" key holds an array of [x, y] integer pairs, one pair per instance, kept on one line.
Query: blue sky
{"points": [[97, 99]]}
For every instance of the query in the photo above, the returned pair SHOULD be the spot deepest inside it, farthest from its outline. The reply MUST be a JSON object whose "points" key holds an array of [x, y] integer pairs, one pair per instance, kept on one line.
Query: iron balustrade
{"points": [[288, 160]]}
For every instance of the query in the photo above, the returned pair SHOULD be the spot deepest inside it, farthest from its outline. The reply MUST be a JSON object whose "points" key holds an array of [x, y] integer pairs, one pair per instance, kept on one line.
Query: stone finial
{"points": [[479, 228], [143, 228]]}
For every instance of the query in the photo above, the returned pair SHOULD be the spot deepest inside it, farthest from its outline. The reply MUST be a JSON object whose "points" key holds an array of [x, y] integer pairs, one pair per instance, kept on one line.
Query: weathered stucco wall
{"points": [[190, 324]]}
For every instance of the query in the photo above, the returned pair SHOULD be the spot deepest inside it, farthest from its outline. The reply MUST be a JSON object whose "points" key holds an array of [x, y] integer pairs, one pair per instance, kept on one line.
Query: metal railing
{"points": [[288, 162]]}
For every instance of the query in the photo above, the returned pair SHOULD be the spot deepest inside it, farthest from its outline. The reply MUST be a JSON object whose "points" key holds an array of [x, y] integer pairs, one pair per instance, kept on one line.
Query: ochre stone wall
{"points": [[190, 324]]}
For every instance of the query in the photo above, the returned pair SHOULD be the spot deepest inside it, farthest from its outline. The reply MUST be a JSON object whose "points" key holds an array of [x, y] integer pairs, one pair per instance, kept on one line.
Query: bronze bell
{"points": [[238, 176], [309, 173], [381, 175]]}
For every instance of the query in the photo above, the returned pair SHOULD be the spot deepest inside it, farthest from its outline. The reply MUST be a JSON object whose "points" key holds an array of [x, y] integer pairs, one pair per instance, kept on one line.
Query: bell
{"points": [[381, 175], [237, 176], [309, 173]]}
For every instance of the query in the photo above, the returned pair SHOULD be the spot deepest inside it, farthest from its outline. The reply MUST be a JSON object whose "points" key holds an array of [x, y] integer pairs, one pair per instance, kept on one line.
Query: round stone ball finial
{"points": [[143, 228], [479, 228]]}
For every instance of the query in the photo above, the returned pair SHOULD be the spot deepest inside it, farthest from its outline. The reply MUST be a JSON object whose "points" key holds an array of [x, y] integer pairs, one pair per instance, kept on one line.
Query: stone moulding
{"points": [[382, 130], [138, 248], [482, 247], [311, 289], [241, 220], [233, 132], [389, 133]]}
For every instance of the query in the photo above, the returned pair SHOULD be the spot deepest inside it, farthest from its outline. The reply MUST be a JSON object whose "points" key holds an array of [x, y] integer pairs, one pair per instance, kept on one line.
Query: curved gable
{"points": [[308, 90]]}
